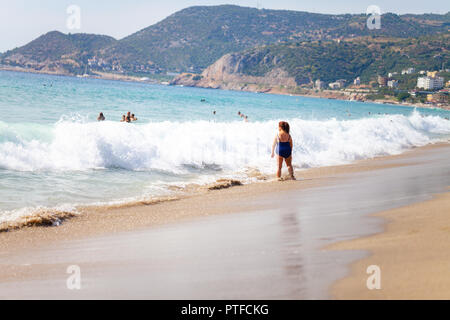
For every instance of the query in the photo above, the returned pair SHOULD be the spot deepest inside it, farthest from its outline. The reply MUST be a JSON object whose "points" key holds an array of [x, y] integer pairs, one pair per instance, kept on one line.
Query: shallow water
{"points": [[53, 152]]}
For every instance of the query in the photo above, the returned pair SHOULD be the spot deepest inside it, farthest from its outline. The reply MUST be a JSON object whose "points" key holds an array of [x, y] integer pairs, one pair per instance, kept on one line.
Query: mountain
{"points": [[193, 38], [300, 63], [57, 52]]}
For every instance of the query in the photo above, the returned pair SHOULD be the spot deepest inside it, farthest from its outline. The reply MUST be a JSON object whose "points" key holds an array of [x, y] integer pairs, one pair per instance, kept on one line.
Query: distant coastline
{"points": [[102, 75], [325, 94], [346, 95], [340, 95]]}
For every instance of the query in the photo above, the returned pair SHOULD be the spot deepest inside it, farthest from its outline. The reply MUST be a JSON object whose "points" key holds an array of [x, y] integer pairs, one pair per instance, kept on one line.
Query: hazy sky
{"points": [[24, 20]]}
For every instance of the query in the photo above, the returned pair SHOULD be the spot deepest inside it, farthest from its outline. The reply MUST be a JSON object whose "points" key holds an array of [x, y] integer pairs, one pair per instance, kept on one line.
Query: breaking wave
{"points": [[182, 146]]}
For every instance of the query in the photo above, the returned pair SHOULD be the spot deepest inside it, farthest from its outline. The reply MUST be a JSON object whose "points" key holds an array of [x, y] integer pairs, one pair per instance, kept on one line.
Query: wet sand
{"points": [[254, 241]]}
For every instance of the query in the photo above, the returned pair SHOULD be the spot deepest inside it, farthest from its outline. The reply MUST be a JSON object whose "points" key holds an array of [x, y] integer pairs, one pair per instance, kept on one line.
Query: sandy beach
{"points": [[237, 151], [258, 241], [413, 255]]}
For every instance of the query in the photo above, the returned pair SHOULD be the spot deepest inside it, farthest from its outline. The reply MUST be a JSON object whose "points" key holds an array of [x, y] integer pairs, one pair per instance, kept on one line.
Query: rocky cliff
{"points": [[228, 73], [294, 65]]}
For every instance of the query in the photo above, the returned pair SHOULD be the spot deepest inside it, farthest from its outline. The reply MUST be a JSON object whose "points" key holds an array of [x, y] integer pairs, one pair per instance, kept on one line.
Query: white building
{"points": [[408, 71], [392, 83], [357, 81], [430, 83], [319, 84], [334, 85]]}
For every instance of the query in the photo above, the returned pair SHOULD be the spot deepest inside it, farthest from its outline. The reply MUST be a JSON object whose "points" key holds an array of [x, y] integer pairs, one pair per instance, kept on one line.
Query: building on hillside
{"points": [[318, 84], [408, 71], [432, 74], [438, 97], [430, 83], [357, 81], [391, 74], [392, 83], [382, 81], [334, 85], [338, 84]]}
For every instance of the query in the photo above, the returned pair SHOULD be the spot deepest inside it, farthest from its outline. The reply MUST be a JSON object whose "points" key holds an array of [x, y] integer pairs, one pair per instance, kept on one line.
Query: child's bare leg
{"points": [[280, 165], [290, 168]]}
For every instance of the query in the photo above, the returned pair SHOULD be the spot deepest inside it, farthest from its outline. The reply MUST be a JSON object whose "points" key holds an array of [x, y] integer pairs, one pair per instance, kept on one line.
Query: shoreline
{"points": [[45, 221], [337, 95], [347, 94], [326, 94], [215, 207], [99, 76], [53, 217]]}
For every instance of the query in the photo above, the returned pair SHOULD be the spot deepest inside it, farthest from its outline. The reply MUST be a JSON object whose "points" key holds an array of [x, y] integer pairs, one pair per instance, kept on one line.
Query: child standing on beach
{"points": [[283, 144]]}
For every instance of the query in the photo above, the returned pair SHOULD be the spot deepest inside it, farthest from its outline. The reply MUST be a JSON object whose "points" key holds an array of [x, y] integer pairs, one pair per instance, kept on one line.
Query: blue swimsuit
{"points": [[284, 148]]}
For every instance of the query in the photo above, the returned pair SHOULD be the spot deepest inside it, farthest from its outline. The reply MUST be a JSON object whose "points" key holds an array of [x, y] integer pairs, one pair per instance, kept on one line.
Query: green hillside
{"points": [[69, 51], [330, 60], [193, 38]]}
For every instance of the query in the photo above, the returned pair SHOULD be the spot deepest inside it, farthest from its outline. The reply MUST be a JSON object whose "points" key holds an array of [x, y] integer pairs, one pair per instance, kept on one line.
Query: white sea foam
{"points": [[179, 147]]}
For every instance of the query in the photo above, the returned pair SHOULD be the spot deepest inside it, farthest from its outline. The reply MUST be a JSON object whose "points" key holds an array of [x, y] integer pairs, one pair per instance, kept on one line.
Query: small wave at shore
{"points": [[180, 147], [34, 217], [51, 217]]}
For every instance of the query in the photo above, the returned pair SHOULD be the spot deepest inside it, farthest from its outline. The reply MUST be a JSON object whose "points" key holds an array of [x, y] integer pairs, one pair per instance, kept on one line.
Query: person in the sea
{"points": [[124, 118], [128, 118], [133, 118], [283, 145], [101, 117]]}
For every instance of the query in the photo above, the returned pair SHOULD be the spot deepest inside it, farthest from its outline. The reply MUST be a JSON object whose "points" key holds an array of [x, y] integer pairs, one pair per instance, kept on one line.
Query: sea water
{"points": [[54, 153]]}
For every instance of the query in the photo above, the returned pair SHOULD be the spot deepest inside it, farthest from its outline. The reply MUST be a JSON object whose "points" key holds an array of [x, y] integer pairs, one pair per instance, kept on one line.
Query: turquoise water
{"points": [[53, 152]]}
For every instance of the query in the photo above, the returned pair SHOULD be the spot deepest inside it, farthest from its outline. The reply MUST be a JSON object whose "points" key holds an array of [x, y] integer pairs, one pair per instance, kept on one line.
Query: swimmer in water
{"points": [[124, 118], [101, 117], [133, 118]]}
